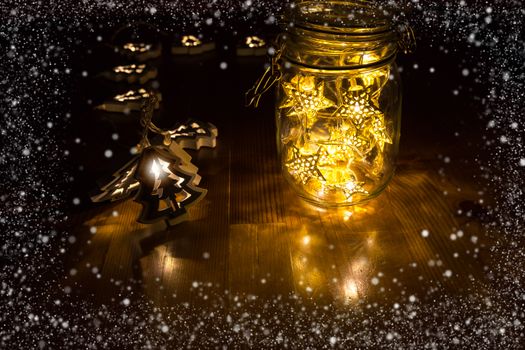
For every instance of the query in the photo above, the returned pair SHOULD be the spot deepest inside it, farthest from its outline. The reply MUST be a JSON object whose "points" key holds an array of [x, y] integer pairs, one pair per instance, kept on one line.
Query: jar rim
{"points": [[341, 17]]}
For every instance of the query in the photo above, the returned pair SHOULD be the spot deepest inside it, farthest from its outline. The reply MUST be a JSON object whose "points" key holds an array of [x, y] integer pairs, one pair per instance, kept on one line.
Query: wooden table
{"points": [[253, 237]]}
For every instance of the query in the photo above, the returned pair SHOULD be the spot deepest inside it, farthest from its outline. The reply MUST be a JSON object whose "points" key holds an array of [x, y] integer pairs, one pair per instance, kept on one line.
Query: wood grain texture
{"points": [[252, 235]]}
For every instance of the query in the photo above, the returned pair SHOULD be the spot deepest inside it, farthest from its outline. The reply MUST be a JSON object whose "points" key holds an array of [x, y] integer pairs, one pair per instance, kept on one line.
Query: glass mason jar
{"points": [[338, 107]]}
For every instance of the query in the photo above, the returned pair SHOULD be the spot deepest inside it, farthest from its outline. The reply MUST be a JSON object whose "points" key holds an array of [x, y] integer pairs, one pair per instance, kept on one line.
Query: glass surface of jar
{"points": [[338, 108]]}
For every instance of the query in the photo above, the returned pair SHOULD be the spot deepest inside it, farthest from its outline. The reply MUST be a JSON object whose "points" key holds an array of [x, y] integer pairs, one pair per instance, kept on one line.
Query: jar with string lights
{"points": [[338, 105]]}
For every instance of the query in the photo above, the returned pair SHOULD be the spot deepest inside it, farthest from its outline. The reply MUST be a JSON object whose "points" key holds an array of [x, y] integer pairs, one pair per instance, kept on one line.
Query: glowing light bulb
{"points": [[306, 240], [350, 289]]}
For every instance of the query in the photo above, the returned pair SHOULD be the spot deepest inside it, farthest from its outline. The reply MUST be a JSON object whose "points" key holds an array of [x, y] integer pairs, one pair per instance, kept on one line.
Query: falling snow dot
{"points": [[164, 329], [114, 136], [447, 273], [465, 72], [76, 201], [375, 281], [333, 340], [84, 73], [223, 65], [125, 302], [108, 153], [93, 230], [412, 298], [425, 233], [522, 162], [206, 255], [26, 152]]}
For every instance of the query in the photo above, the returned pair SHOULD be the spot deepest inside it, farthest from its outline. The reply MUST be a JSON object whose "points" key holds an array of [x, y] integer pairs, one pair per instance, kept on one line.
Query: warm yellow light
{"points": [[137, 47], [155, 170], [132, 95], [190, 41], [130, 69], [306, 240], [342, 143], [351, 290], [254, 41]]}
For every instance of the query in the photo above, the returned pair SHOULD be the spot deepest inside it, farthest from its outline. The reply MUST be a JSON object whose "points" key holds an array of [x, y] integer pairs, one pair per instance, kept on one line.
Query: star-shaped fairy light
{"points": [[304, 167], [305, 97], [375, 129], [357, 107], [338, 175], [346, 139]]}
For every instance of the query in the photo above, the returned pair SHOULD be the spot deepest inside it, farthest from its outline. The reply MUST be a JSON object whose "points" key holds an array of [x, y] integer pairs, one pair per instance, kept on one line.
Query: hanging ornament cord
{"points": [[146, 122], [272, 75]]}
